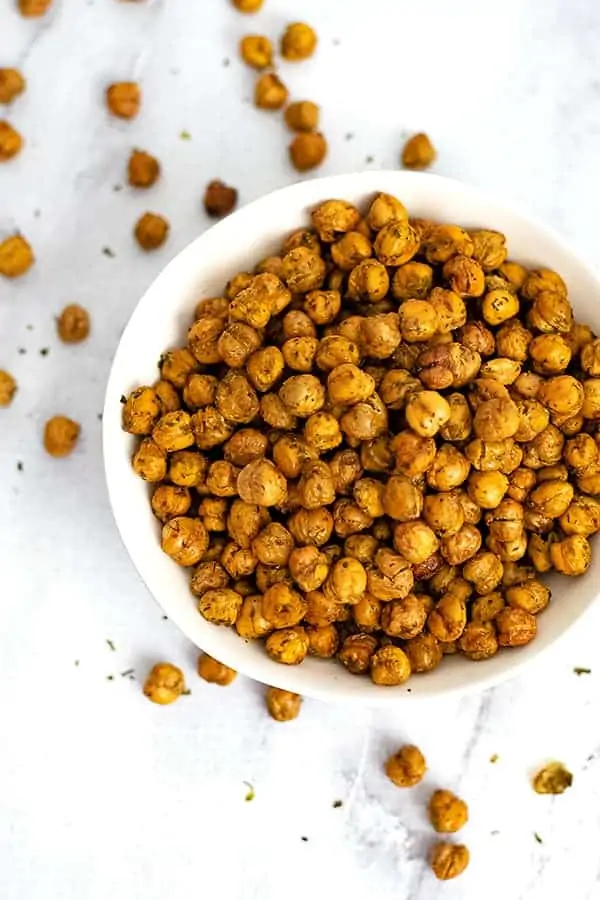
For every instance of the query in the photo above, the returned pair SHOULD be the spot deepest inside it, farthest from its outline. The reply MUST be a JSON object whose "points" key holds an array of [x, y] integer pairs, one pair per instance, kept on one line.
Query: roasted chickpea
{"points": [[443, 512], [164, 684], [401, 499], [151, 231], [531, 595], [448, 619], [390, 666], [298, 42], [450, 310], [256, 51], [505, 522], [173, 431], [551, 498], [347, 384], [237, 343], [448, 470], [365, 421], [447, 812], [220, 606], [275, 412], [404, 618], [550, 312], [350, 250], [150, 461], [61, 435], [323, 641], [367, 613], [302, 115], [200, 390], [169, 501], [215, 672], [245, 446], [345, 468], [415, 541], [348, 580], [591, 399], [448, 860], [380, 335], [406, 767], [396, 243], [270, 92], [303, 395], [368, 280], [141, 411], [582, 517], [316, 488], [426, 412], [308, 150], [265, 367], [16, 256], [563, 395], [463, 545], [309, 567], [288, 646], [418, 320], [283, 706], [262, 483], [572, 555], [515, 626], [203, 338], [484, 571]]}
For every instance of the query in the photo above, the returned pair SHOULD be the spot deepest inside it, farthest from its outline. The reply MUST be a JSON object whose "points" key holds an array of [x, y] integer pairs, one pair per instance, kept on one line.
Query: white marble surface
{"points": [[102, 793]]}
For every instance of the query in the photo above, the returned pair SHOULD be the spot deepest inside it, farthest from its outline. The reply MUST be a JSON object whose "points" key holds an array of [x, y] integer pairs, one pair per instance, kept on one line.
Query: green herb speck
{"points": [[537, 837], [44, 351], [108, 252], [337, 804], [185, 136], [110, 644], [580, 670], [76, 662], [494, 758], [250, 792], [110, 677]]}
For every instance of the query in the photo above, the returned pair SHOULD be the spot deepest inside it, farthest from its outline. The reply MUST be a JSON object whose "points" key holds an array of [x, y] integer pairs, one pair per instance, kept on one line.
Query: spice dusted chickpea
{"points": [[362, 547], [401, 499], [308, 150], [220, 606], [150, 461], [484, 571], [562, 394], [580, 453], [447, 812], [322, 431], [418, 320], [591, 399], [448, 619], [265, 368], [450, 310], [368, 281], [347, 384], [316, 488], [367, 613], [250, 623], [298, 42], [418, 152], [582, 517], [303, 270], [404, 618], [164, 684], [309, 567], [459, 425], [237, 284], [551, 498], [200, 390], [390, 666], [449, 469], [426, 412], [303, 395], [254, 305], [550, 312], [477, 336], [424, 652], [288, 646], [545, 449], [539, 280], [499, 306], [236, 399], [448, 860], [465, 276], [212, 307], [303, 115], [348, 580], [208, 576], [380, 335], [215, 672], [356, 652], [60, 436], [496, 419], [350, 250], [245, 446], [169, 501], [283, 607], [143, 169], [506, 521], [515, 627], [16, 256], [151, 231], [257, 51], [11, 142], [368, 493], [413, 453], [272, 546], [185, 540], [554, 778], [487, 488], [275, 413], [531, 595], [406, 767], [270, 92], [323, 641], [73, 324], [333, 218], [283, 706], [572, 555], [12, 84], [290, 453], [299, 353], [262, 483], [124, 99], [173, 431], [396, 243], [415, 541], [444, 241], [478, 641], [590, 358], [245, 520], [550, 354], [345, 468], [141, 411], [176, 366], [463, 545], [219, 199], [322, 306], [486, 608], [213, 512]]}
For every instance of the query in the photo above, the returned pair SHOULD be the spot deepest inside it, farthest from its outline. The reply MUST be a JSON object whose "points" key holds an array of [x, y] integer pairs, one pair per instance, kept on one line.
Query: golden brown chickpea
{"points": [[550, 354], [60, 436], [237, 343], [208, 576], [335, 217], [303, 395], [151, 231], [246, 446], [440, 582], [478, 641], [200, 390], [256, 303], [463, 545], [164, 683], [212, 307], [589, 482], [368, 493], [167, 396], [395, 387], [368, 281], [376, 455], [270, 264], [173, 431], [563, 395], [505, 523], [303, 270], [514, 273], [290, 453], [484, 571], [487, 488], [580, 453], [572, 555], [262, 483], [390, 666], [124, 99], [8, 388], [356, 652], [448, 860], [516, 627], [545, 449], [143, 169], [288, 646], [496, 419], [465, 276], [406, 767], [347, 384], [150, 461], [16, 256], [237, 284], [350, 327], [413, 454], [185, 540], [256, 51], [265, 368], [487, 456], [458, 427], [245, 521], [350, 250], [308, 150], [516, 574], [73, 324], [380, 335], [283, 706], [447, 364], [220, 606], [590, 358], [302, 115], [11, 142], [535, 418], [273, 545], [418, 320], [299, 353], [275, 413], [141, 411], [443, 512], [447, 812], [591, 399], [448, 619], [282, 606], [477, 336], [551, 498], [489, 249], [418, 152], [298, 42], [367, 613], [582, 517], [426, 412], [396, 243], [345, 468], [362, 547], [323, 641], [448, 470], [213, 512], [424, 652], [335, 350], [401, 499], [215, 672], [176, 366], [309, 567], [316, 488], [503, 369], [499, 306], [270, 92], [169, 501], [237, 561], [531, 595], [415, 541], [486, 608], [322, 306], [550, 312], [250, 623], [404, 618], [322, 610], [248, 6], [12, 84], [348, 580]]}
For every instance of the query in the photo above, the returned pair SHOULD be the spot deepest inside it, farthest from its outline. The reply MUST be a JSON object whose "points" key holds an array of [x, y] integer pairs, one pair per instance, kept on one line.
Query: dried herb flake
{"points": [[250, 793], [581, 670], [111, 644], [337, 804], [185, 136], [537, 837], [108, 252]]}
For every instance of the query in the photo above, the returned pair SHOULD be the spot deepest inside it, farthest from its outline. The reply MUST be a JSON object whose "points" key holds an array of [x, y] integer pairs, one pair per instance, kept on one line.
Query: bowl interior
{"points": [[160, 321]]}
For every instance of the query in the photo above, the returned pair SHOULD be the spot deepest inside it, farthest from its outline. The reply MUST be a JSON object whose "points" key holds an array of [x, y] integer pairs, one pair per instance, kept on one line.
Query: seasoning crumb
{"points": [[580, 670], [554, 778], [76, 663], [185, 136], [349, 136], [165, 618], [99, 417], [305, 839], [29, 327], [226, 62], [370, 159], [128, 673], [111, 644], [337, 804], [37, 213], [110, 677], [108, 252], [20, 466], [123, 399], [186, 692], [44, 351], [494, 758], [117, 188], [537, 837], [336, 42], [21, 351], [250, 793], [494, 833]]}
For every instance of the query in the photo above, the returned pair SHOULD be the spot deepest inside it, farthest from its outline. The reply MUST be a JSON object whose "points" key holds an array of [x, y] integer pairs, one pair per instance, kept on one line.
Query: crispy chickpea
{"points": [[572, 555], [12, 84], [302, 115], [424, 652], [316, 488], [376, 455], [298, 42], [591, 399], [554, 778], [173, 431], [590, 358], [73, 324], [503, 369], [477, 336], [303, 270], [487, 488], [406, 767], [323, 641], [299, 353], [8, 388], [496, 419], [448, 860], [11, 142], [164, 683], [413, 453], [514, 273], [443, 512], [418, 152], [213, 512], [143, 169], [303, 395], [308, 150], [208, 576], [265, 368], [185, 540], [282, 606], [275, 412], [484, 571], [124, 99], [60, 436], [390, 666], [478, 641], [395, 387], [505, 522], [335, 217], [141, 411], [245, 446], [516, 627], [262, 483], [283, 706], [385, 209], [404, 618], [169, 501], [309, 567], [16, 256], [563, 395], [415, 541], [367, 613], [550, 354], [426, 412], [396, 243], [449, 469], [248, 6], [200, 390], [288, 646], [362, 547], [322, 306], [401, 499], [412, 281], [418, 320], [369, 281], [220, 606], [465, 276], [150, 461], [550, 312], [151, 231], [176, 366], [448, 619], [212, 307], [257, 51], [489, 249], [380, 335], [485, 609], [350, 250], [580, 453], [250, 623], [215, 672], [551, 498], [458, 427], [348, 580], [531, 595], [463, 545], [499, 306], [447, 812], [238, 562], [236, 343], [368, 493], [347, 384], [582, 517], [273, 545], [270, 92], [345, 468], [356, 652], [290, 453]]}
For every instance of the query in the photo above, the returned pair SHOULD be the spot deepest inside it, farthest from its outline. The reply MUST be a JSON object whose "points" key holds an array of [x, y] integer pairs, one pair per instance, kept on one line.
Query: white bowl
{"points": [[160, 321]]}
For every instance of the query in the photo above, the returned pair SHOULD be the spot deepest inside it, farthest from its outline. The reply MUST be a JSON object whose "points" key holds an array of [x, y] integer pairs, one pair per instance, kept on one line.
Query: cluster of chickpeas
{"points": [[373, 447]]}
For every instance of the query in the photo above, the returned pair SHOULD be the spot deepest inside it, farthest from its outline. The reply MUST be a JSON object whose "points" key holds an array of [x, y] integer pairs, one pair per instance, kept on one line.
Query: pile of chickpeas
{"points": [[374, 446]]}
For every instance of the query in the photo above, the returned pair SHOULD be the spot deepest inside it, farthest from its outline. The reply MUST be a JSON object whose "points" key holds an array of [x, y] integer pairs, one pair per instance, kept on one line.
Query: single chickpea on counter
{"points": [[308, 150], [283, 706], [270, 92], [11, 141], [248, 6], [164, 684], [8, 388], [257, 51], [418, 152], [299, 42], [302, 115], [219, 199], [448, 860], [73, 324], [34, 8], [151, 231], [12, 85], [124, 99], [406, 767], [143, 169], [215, 672], [447, 812], [60, 436]]}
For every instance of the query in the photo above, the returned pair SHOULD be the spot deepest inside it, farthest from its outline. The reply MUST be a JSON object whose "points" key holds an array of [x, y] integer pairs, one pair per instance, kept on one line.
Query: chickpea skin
{"points": [[406, 767], [215, 672], [164, 684], [283, 706]]}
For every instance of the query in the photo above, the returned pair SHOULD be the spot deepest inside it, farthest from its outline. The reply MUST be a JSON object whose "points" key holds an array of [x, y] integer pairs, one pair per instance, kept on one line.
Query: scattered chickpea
{"points": [[165, 683], [124, 99], [447, 812], [308, 150], [8, 388], [299, 42], [219, 199], [12, 84], [406, 767], [34, 8], [418, 152], [283, 706], [143, 169], [151, 231], [270, 92], [215, 672], [449, 860], [10, 141], [248, 6], [60, 436], [73, 324], [256, 51], [302, 115]]}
